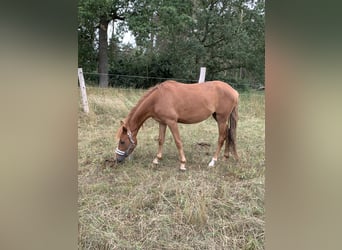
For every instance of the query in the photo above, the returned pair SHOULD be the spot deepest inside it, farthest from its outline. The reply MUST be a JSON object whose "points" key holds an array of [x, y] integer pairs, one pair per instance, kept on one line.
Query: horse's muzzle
{"points": [[120, 155], [120, 159]]}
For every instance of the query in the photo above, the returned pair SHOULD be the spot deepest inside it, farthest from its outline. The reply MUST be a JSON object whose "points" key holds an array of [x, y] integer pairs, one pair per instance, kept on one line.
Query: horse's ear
{"points": [[123, 127], [121, 130]]}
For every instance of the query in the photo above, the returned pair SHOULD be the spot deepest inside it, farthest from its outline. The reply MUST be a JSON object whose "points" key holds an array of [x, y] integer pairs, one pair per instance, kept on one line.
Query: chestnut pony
{"points": [[172, 102]]}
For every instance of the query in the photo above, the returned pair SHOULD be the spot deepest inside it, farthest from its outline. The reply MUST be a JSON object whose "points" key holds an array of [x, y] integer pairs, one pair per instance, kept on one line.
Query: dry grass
{"points": [[138, 206]]}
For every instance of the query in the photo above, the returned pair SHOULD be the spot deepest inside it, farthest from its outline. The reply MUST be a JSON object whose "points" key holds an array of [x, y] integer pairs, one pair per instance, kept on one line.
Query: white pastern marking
{"points": [[212, 162], [182, 167], [155, 161]]}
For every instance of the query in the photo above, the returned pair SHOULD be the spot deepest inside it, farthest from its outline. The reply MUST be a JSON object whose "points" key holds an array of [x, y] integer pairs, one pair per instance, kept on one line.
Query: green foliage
{"points": [[139, 71], [175, 38]]}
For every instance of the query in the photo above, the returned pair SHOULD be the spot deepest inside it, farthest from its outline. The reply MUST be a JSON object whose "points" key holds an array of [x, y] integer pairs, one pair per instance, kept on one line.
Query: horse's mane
{"points": [[143, 98]]}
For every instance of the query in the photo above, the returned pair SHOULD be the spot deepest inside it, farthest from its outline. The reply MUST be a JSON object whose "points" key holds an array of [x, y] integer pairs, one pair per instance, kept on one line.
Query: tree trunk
{"points": [[103, 53]]}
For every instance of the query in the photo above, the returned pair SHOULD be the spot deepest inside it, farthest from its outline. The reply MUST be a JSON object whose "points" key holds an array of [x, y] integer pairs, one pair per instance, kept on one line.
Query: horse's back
{"points": [[210, 89]]}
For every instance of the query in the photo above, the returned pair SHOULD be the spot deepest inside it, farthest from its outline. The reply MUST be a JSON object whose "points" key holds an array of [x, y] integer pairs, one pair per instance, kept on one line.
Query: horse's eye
{"points": [[122, 142]]}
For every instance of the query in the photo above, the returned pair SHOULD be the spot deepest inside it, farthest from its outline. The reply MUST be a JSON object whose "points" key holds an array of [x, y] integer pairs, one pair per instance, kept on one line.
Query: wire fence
{"points": [[142, 77], [157, 79], [138, 81]]}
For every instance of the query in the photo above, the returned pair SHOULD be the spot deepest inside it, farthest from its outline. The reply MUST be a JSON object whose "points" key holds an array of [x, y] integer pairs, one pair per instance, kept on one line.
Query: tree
{"points": [[100, 13], [175, 38]]}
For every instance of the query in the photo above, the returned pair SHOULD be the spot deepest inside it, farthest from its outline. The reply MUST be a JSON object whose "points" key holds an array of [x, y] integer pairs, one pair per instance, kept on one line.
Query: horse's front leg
{"points": [[175, 132], [222, 135], [161, 140]]}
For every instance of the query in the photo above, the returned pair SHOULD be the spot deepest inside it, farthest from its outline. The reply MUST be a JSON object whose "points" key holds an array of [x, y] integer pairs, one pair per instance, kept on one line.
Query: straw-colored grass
{"points": [[136, 205]]}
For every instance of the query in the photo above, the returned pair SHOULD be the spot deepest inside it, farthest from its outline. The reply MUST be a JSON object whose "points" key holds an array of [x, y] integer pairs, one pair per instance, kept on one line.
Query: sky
{"points": [[127, 38]]}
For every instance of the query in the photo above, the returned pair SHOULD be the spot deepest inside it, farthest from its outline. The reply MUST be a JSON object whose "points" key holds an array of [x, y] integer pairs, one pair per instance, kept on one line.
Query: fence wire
{"points": [[120, 80]]}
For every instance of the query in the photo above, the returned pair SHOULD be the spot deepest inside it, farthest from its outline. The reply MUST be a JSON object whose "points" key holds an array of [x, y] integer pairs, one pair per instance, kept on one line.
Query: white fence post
{"points": [[83, 90], [202, 75]]}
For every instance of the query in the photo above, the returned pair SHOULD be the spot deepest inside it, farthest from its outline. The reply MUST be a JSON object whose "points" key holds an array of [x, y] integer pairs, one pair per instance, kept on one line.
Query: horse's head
{"points": [[127, 143]]}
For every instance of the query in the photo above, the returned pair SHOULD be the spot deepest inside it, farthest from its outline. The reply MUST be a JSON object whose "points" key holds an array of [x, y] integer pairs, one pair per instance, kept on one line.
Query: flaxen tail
{"points": [[231, 133]]}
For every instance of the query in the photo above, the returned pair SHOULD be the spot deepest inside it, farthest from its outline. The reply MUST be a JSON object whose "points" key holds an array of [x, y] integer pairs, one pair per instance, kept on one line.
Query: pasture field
{"points": [[136, 205]]}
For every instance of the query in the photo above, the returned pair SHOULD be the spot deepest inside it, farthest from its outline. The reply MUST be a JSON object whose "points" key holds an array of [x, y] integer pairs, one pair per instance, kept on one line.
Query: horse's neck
{"points": [[139, 116]]}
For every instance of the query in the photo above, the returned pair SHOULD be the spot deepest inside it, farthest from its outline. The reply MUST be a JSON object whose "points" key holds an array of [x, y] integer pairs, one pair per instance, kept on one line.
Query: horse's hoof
{"points": [[182, 167], [212, 163], [155, 161]]}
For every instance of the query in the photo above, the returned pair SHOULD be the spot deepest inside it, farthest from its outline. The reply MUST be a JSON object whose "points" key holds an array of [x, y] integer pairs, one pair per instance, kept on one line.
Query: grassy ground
{"points": [[139, 206]]}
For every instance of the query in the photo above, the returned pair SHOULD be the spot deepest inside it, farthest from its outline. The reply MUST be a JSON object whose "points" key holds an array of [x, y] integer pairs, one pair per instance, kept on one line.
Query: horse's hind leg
{"points": [[221, 138], [175, 132], [162, 130], [226, 149]]}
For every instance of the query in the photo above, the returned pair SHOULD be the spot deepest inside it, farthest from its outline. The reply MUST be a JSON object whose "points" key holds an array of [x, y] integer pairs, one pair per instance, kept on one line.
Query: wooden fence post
{"points": [[83, 90], [202, 75]]}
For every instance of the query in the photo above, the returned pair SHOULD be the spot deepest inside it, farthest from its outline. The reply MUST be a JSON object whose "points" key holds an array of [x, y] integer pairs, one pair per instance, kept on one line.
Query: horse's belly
{"points": [[193, 117], [184, 110]]}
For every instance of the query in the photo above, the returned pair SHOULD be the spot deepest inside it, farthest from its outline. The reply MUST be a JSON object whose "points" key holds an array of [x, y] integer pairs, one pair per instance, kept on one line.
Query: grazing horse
{"points": [[172, 102]]}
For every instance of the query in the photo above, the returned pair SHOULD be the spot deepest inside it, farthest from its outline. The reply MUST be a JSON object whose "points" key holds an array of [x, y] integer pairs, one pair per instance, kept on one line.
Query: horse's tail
{"points": [[231, 133]]}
